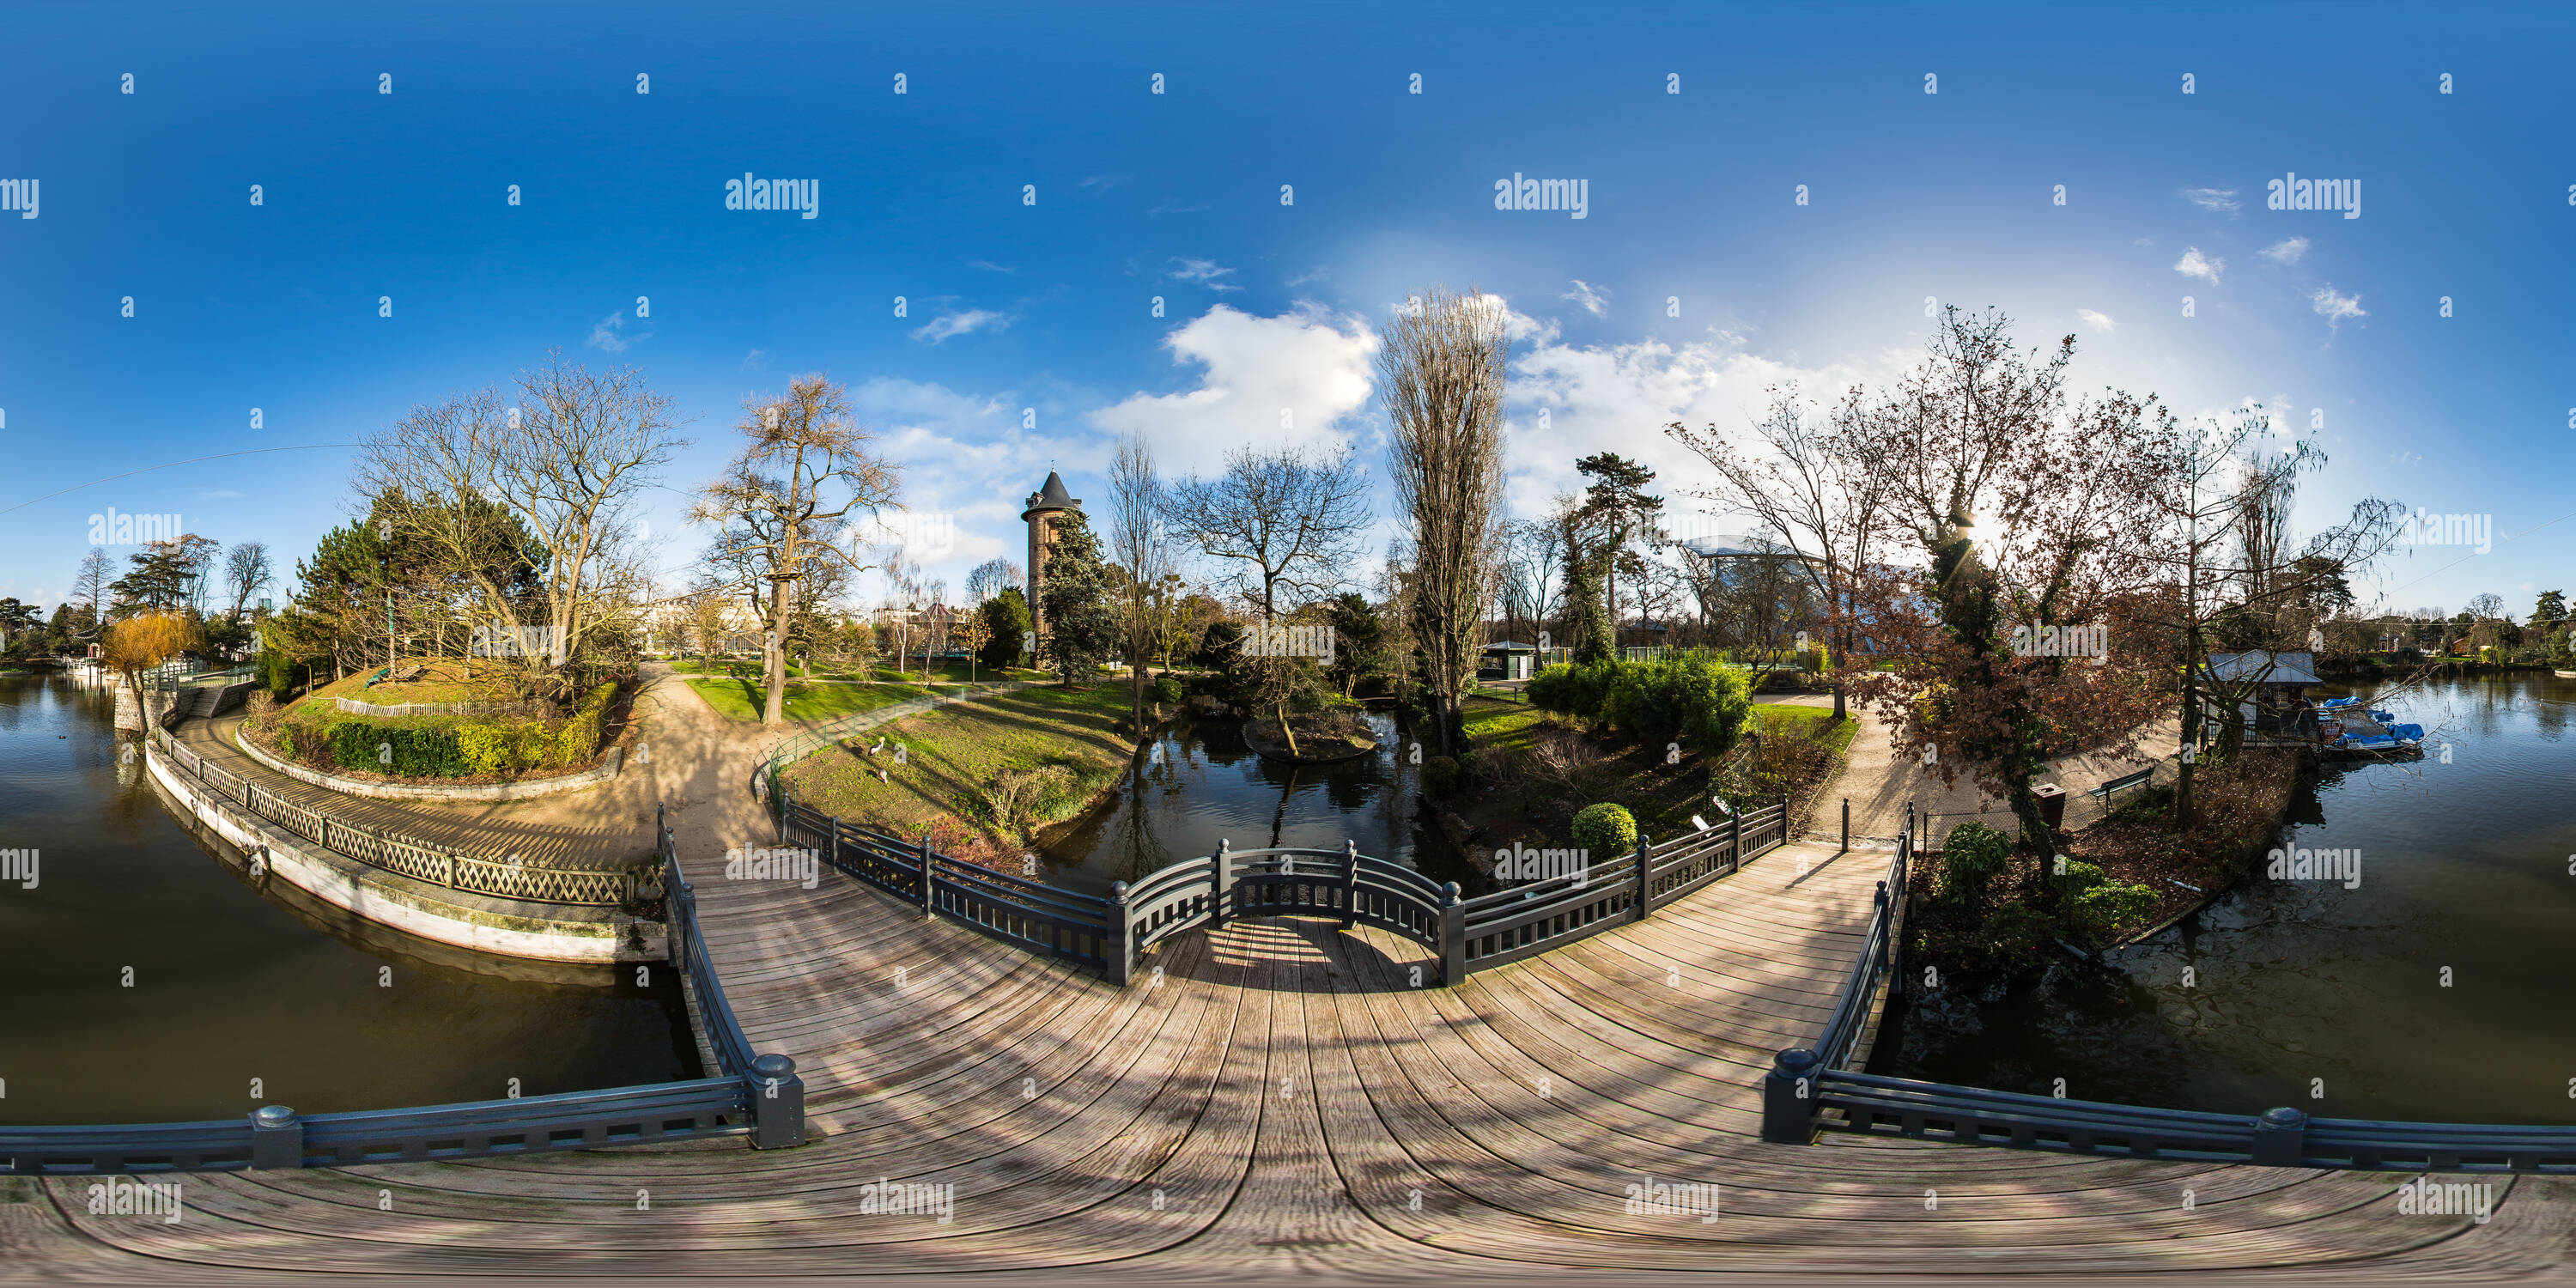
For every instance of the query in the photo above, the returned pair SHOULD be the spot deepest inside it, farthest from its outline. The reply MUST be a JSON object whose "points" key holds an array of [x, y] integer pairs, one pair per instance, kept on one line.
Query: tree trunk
{"points": [[774, 666], [1285, 731]]}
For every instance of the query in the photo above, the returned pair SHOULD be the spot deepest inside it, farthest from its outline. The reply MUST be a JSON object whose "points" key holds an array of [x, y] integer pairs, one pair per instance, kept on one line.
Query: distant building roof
{"points": [[2286, 668], [1052, 496], [1734, 547], [1509, 646]]}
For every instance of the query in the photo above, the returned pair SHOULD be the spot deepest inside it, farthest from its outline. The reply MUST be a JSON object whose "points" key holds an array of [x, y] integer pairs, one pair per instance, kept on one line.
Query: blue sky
{"points": [[1044, 310]]}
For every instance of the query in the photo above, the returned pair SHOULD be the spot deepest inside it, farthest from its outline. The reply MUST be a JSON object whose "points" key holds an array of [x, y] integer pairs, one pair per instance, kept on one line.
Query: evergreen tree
{"points": [[1081, 628], [1587, 614], [1006, 627]]}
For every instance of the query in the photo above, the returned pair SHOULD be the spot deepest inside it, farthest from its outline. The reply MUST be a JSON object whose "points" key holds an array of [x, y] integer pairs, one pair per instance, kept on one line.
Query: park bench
{"points": [[2138, 779]]}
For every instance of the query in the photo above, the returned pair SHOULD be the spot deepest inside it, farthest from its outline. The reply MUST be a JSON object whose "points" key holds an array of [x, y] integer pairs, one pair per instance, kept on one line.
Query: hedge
{"points": [[1690, 700], [414, 749]]}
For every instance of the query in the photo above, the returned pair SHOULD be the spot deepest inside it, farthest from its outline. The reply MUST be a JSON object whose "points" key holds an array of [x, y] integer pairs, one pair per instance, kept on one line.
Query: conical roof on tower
{"points": [[1052, 497]]}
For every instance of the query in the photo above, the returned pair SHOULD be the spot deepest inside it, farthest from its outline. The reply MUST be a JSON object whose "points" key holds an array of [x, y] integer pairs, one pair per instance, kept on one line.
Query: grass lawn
{"points": [[444, 680], [742, 697], [1532, 807], [953, 754]]}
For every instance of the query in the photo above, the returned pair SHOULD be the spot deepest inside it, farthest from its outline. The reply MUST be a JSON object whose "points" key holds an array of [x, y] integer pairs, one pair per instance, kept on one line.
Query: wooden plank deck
{"points": [[1284, 1103]]}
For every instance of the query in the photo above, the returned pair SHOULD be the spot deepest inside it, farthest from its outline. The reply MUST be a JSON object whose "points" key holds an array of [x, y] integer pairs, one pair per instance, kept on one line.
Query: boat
{"points": [[2564, 675]]}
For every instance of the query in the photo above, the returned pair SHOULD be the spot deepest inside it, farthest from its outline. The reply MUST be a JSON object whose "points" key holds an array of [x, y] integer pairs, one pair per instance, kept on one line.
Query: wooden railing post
{"points": [[1645, 878], [832, 843], [1221, 904], [1846, 827], [1784, 818], [1734, 840], [276, 1138], [1453, 937], [2280, 1138], [777, 1103], [928, 857], [1122, 937], [1789, 1098], [1350, 883]]}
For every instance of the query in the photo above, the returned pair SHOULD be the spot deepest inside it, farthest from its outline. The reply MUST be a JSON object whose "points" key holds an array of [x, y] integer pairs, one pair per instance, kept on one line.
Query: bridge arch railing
{"points": [[1111, 934]]}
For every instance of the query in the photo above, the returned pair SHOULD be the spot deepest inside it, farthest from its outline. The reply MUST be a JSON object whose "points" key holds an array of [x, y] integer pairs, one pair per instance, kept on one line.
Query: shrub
{"points": [[1440, 774], [1971, 858], [383, 747], [1690, 700], [1606, 829], [1168, 688], [1573, 690], [2111, 908], [489, 749]]}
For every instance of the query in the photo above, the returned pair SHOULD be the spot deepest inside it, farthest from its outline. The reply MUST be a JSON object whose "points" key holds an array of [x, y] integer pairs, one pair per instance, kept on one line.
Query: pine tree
{"points": [[1073, 592]]}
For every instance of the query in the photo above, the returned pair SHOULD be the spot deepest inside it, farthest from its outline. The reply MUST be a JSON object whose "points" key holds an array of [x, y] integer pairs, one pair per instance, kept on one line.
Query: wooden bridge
{"points": [[1275, 1097]]}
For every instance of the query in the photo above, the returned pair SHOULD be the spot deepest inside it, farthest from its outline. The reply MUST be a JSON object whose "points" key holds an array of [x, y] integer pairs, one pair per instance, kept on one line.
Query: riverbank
{"points": [[981, 777]]}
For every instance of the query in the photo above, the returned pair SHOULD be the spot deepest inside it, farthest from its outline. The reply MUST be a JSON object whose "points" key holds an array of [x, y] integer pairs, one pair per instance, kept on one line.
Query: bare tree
{"points": [[90, 583], [1532, 554], [569, 463], [1816, 491], [246, 573], [1137, 543], [1441, 377], [1295, 519], [805, 468], [991, 578]]}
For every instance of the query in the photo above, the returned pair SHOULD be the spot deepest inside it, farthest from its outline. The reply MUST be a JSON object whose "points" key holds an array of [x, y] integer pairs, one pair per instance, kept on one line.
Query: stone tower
{"points": [[1044, 504]]}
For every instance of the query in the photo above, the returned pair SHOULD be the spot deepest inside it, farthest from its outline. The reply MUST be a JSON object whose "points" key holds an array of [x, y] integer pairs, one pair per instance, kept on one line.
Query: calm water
{"points": [[2465, 865], [1200, 784], [231, 983]]}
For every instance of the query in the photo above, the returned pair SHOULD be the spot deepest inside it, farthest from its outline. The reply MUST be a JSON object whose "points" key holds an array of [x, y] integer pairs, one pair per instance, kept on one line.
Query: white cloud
{"points": [[2195, 264], [609, 334], [1619, 398], [989, 266], [755, 360], [1310, 363], [1205, 272], [1595, 301], [2097, 321], [2336, 307], [2289, 250], [948, 326], [2222, 200]]}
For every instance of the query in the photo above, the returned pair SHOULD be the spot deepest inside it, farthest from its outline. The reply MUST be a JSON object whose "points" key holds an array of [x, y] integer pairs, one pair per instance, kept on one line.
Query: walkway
{"points": [[1282, 1103], [1285, 1103]]}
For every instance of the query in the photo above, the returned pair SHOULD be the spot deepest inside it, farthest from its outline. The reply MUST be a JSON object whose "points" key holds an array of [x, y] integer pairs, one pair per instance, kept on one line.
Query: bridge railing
{"points": [[1812, 1089], [392, 851], [1110, 935], [756, 1095]]}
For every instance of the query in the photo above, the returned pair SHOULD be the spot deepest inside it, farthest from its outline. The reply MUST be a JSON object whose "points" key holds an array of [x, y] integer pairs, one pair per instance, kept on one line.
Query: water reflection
{"points": [[234, 981], [1199, 783], [2281, 989]]}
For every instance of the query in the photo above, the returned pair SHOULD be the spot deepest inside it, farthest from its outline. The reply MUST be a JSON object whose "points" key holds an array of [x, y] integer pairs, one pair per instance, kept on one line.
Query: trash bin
{"points": [[2052, 804]]}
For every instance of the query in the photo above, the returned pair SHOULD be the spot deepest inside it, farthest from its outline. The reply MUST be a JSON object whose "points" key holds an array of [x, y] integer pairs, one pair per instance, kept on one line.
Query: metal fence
{"points": [[1109, 935], [759, 1096], [507, 877], [1812, 1089]]}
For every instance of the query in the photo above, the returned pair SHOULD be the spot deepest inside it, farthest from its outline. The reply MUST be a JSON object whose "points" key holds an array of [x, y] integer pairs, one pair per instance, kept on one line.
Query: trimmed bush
{"points": [[1572, 690], [1607, 830], [1168, 688], [411, 751], [1689, 700], [1440, 774], [1971, 858]]}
